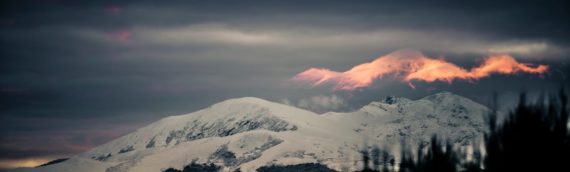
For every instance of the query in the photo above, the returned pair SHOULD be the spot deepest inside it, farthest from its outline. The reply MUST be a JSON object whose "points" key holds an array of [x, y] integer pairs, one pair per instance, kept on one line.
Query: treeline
{"points": [[195, 167], [307, 167], [533, 137]]}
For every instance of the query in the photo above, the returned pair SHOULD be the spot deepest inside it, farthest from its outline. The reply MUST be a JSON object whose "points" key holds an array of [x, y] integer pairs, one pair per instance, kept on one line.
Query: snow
{"points": [[248, 133], [392, 119]]}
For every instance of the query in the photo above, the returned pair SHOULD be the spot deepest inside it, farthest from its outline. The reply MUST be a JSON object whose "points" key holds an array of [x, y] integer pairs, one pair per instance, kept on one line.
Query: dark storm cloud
{"points": [[103, 68], [520, 19]]}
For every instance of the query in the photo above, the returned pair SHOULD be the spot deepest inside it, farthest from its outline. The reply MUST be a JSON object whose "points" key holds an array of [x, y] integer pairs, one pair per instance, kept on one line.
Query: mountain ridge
{"points": [[249, 132]]}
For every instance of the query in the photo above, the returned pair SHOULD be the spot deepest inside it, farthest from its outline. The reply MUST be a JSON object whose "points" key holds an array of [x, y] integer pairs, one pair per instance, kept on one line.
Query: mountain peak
{"points": [[445, 93], [451, 100], [244, 100], [393, 100], [438, 97], [247, 100]]}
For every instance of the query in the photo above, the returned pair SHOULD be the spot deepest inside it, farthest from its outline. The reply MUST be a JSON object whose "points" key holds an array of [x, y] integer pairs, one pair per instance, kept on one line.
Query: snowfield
{"points": [[248, 133]]}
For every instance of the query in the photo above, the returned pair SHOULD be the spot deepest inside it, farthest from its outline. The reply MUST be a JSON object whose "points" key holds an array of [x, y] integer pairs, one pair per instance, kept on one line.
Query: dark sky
{"points": [[76, 74]]}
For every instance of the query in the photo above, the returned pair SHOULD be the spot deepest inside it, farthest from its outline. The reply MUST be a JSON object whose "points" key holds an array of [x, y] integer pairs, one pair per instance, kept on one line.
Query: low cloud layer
{"points": [[322, 103]]}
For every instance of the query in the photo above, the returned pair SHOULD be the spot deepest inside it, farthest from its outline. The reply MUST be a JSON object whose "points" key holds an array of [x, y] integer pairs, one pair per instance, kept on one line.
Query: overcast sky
{"points": [[77, 74]]}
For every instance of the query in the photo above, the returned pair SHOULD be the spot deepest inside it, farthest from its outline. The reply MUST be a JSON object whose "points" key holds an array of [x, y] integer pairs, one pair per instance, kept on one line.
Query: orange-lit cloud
{"points": [[410, 65]]}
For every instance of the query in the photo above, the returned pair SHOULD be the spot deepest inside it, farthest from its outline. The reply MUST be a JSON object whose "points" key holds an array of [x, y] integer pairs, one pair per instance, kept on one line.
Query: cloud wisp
{"points": [[410, 65]]}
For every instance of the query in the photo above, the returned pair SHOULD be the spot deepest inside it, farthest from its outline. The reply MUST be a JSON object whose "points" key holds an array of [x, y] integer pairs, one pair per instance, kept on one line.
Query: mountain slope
{"points": [[445, 114], [248, 133]]}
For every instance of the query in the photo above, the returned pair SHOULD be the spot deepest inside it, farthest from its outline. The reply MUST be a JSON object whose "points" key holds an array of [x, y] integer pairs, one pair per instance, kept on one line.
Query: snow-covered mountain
{"points": [[248, 133]]}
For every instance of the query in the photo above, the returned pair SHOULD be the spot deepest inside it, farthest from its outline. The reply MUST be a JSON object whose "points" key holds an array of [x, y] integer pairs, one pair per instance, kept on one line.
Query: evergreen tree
{"points": [[533, 136]]}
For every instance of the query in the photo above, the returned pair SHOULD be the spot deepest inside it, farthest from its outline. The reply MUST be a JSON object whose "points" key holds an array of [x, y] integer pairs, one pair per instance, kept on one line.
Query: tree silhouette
{"points": [[365, 159], [375, 155], [378, 157], [307, 167], [194, 167], [438, 158], [533, 136]]}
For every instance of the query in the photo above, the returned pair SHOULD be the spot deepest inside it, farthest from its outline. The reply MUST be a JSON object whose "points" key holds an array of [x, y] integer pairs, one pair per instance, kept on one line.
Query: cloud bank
{"points": [[410, 65]]}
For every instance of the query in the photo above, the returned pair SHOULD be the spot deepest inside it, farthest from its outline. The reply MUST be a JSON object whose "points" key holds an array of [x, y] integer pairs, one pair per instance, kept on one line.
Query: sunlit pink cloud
{"points": [[410, 65]]}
